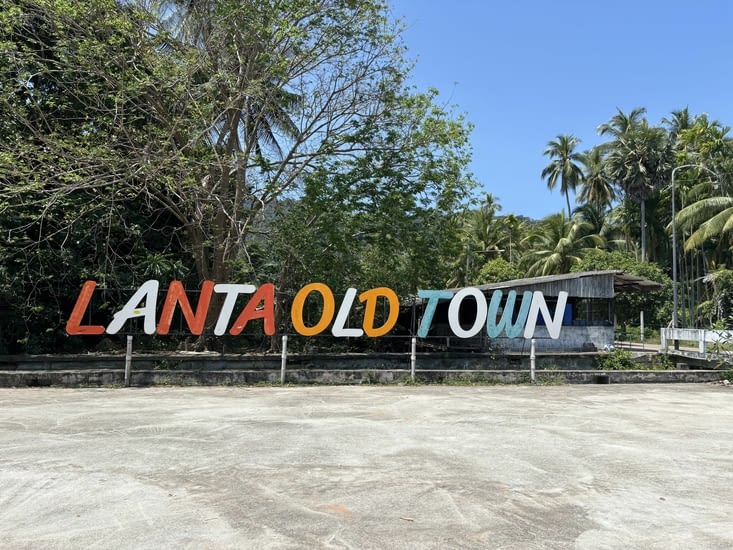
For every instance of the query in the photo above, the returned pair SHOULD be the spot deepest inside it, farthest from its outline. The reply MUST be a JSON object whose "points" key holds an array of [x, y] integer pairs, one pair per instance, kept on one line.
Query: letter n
{"points": [[553, 323], [177, 296]]}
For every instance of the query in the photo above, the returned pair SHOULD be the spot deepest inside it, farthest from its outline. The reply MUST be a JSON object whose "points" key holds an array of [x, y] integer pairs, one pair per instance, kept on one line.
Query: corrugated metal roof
{"points": [[622, 282]]}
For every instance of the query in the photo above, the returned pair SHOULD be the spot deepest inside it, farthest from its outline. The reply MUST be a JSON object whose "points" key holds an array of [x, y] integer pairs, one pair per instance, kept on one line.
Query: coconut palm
{"points": [[622, 123], [679, 120], [709, 218], [640, 161], [260, 114], [558, 244], [596, 187], [601, 222], [564, 166]]}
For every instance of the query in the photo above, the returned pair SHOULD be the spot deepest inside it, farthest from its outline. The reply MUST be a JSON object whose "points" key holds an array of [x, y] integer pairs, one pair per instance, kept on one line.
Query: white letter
{"points": [[232, 292], [455, 306], [343, 316], [148, 292], [553, 324]]}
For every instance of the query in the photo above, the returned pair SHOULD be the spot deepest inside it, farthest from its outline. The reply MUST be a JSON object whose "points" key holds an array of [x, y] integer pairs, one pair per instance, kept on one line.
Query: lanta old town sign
{"points": [[496, 316]]}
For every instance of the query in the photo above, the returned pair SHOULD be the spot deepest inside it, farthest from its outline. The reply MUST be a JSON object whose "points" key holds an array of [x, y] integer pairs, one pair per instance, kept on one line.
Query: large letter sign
{"points": [[260, 305]]}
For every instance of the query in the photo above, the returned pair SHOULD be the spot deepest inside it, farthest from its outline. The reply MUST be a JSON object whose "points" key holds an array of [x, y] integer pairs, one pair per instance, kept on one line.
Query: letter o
{"points": [[296, 311], [455, 306]]}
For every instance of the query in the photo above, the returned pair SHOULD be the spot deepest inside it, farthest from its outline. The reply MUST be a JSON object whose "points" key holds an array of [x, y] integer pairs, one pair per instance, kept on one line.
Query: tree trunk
{"points": [[643, 231]]}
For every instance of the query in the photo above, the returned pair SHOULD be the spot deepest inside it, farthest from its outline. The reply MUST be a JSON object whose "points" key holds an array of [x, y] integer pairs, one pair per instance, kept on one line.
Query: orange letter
{"points": [[296, 312], [73, 327], [370, 297], [266, 295], [177, 295]]}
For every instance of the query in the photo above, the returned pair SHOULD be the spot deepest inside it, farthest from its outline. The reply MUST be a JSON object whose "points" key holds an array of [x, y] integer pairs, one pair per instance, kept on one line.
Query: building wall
{"points": [[572, 338]]}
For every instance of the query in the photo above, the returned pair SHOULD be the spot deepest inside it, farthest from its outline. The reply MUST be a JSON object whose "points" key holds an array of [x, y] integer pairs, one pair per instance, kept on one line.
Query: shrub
{"points": [[618, 359]]}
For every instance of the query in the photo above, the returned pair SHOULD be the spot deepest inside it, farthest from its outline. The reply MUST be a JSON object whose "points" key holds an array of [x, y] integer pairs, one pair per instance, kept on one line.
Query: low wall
{"points": [[115, 377], [219, 362], [571, 337]]}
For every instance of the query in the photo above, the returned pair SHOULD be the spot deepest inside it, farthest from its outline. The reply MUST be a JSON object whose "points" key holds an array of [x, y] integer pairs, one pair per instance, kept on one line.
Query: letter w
{"points": [[493, 329]]}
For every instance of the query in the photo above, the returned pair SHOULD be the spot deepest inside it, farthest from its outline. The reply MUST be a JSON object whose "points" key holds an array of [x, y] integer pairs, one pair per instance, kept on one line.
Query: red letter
{"points": [[265, 294], [73, 326], [177, 295]]}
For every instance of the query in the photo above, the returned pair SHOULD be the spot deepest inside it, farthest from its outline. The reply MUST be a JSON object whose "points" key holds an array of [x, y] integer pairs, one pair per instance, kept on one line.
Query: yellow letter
{"points": [[296, 312], [370, 297]]}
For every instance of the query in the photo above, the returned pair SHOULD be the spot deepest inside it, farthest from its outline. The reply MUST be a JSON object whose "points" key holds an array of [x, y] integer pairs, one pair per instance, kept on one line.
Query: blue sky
{"points": [[525, 71]]}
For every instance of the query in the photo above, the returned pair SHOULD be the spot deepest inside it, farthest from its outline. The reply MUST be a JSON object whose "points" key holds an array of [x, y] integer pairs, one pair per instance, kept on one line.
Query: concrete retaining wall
{"points": [[216, 369], [114, 377], [218, 362]]}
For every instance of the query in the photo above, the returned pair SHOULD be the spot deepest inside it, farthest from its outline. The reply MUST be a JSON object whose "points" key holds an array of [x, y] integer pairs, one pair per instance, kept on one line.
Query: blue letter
{"points": [[433, 297], [493, 329]]}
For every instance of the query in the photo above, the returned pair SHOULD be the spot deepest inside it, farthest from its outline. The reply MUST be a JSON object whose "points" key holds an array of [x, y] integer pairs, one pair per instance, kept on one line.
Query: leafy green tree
{"points": [[498, 270], [678, 121], [66, 212], [601, 222], [718, 309], [657, 306], [564, 166], [106, 109]]}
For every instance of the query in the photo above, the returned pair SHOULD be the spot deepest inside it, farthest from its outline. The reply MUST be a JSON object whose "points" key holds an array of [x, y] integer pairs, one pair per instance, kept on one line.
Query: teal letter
{"points": [[433, 297], [493, 329]]}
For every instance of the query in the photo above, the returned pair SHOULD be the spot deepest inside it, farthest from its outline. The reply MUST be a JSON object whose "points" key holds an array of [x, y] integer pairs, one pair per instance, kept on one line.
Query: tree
{"points": [[596, 187], [557, 244], [564, 165], [622, 123], [209, 132], [66, 213], [498, 270], [628, 305], [678, 121], [640, 161], [708, 218]]}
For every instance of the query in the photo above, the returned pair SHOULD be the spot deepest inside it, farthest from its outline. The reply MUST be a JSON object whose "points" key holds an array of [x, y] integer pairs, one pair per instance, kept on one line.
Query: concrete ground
{"points": [[591, 466]]}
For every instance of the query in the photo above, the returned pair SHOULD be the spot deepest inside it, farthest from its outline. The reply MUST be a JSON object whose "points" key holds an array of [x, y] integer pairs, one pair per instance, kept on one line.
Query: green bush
{"points": [[618, 359]]}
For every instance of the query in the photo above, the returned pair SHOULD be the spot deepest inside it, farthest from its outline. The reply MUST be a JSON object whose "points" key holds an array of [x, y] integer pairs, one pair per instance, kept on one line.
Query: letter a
{"points": [[265, 295], [148, 292]]}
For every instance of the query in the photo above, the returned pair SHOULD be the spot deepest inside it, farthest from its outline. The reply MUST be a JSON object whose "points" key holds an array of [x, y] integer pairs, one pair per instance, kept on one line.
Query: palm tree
{"points": [[601, 222], [709, 218], [640, 161], [678, 121], [483, 225], [564, 165], [259, 114], [622, 123], [596, 187], [558, 244]]}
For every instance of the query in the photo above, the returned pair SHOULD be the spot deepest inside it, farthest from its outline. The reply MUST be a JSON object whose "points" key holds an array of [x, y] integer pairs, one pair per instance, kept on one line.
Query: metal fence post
{"points": [[128, 360], [284, 358], [531, 360], [413, 358]]}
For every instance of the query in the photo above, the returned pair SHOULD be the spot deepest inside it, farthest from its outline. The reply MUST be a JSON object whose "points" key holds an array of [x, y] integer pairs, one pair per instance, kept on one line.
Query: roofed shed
{"points": [[587, 321]]}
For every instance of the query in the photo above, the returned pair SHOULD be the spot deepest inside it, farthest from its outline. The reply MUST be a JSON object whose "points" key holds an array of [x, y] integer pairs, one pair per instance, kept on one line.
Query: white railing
{"points": [[701, 336]]}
